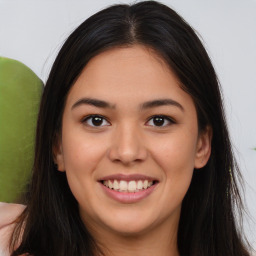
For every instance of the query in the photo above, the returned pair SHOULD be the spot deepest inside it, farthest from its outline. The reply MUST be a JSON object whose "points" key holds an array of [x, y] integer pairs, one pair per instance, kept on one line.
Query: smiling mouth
{"points": [[131, 186]]}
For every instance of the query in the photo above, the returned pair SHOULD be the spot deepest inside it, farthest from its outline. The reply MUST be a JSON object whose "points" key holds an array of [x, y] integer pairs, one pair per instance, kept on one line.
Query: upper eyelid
{"points": [[172, 120], [85, 118], [94, 115]]}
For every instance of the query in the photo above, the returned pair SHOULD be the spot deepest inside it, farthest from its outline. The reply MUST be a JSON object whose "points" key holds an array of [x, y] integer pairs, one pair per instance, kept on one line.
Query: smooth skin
{"points": [[130, 136]]}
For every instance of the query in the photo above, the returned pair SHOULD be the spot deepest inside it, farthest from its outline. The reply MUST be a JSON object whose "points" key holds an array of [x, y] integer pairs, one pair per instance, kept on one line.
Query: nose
{"points": [[127, 146]]}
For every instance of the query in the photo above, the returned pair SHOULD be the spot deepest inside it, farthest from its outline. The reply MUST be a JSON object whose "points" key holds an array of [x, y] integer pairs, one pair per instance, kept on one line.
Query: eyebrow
{"points": [[149, 104], [93, 102], [161, 102]]}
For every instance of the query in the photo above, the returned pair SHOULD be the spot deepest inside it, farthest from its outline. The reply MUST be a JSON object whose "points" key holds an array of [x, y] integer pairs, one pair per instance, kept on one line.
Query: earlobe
{"points": [[203, 148], [58, 156], [60, 162]]}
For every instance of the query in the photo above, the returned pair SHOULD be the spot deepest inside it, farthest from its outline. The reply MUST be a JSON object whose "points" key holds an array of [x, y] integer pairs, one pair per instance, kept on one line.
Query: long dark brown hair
{"points": [[51, 225]]}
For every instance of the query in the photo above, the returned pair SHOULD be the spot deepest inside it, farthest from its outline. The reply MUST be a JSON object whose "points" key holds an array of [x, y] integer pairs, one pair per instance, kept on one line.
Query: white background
{"points": [[33, 31]]}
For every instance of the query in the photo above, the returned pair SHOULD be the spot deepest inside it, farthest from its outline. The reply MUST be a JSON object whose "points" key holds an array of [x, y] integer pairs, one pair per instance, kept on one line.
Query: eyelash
{"points": [[90, 117], [165, 118]]}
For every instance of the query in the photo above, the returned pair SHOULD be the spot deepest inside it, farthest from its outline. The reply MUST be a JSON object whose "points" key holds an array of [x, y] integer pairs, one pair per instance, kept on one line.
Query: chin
{"points": [[131, 231], [132, 224]]}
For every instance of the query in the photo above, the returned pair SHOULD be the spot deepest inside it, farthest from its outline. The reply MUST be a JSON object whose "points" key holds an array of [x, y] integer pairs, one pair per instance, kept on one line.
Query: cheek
{"points": [[176, 157], [82, 156], [81, 153], [176, 152]]}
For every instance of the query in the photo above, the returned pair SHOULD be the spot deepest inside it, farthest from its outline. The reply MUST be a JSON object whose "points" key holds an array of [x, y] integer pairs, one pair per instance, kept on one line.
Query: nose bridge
{"points": [[127, 144]]}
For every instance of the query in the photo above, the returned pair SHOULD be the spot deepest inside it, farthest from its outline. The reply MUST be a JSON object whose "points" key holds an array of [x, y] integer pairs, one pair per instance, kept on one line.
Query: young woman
{"points": [[132, 154]]}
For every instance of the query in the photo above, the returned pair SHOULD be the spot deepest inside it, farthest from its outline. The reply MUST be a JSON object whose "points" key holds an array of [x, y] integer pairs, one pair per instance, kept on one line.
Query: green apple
{"points": [[20, 94]]}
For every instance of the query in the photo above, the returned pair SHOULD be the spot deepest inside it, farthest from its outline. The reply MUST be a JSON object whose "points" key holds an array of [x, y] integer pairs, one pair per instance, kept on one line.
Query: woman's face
{"points": [[130, 142]]}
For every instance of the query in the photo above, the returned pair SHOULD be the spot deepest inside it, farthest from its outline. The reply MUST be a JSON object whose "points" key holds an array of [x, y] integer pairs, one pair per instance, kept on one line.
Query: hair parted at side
{"points": [[51, 222]]}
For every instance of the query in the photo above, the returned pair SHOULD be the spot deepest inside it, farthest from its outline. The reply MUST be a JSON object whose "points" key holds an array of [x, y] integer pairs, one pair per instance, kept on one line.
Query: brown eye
{"points": [[96, 121], [160, 121]]}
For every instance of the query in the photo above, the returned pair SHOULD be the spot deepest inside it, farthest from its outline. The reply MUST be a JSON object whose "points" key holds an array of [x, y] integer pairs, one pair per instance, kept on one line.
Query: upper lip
{"points": [[128, 177]]}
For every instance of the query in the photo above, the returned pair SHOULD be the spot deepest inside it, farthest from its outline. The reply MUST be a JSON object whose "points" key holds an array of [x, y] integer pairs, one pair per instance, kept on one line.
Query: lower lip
{"points": [[126, 197]]}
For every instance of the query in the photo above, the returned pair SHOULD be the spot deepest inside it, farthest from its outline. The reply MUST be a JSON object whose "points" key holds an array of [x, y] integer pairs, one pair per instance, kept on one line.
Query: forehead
{"points": [[131, 73]]}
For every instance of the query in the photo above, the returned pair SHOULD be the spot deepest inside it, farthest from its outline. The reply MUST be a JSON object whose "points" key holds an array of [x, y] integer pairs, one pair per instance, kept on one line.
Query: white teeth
{"points": [[125, 186], [110, 184], [116, 185], [139, 184], [145, 184], [132, 186]]}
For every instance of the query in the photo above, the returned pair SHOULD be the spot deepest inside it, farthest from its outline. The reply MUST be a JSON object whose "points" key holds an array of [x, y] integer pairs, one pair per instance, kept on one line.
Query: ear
{"points": [[58, 154], [203, 151]]}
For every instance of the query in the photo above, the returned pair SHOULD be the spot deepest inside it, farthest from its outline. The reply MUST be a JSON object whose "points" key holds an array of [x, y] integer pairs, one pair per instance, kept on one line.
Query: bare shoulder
{"points": [[8, 214]]}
